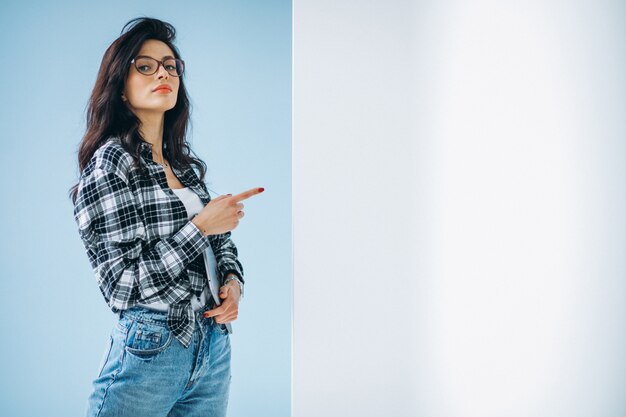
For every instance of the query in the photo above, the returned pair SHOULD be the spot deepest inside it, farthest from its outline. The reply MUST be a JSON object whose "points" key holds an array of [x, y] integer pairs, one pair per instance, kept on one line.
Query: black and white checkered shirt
{"points": [[138, 238]]}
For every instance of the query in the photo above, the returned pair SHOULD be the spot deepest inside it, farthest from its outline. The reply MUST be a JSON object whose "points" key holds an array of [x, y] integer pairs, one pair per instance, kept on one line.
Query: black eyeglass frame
{"points": [[159, 63]]}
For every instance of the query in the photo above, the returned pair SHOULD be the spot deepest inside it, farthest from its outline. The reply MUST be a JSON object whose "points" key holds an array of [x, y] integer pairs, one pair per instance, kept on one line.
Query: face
{"points": [[139, 88]]}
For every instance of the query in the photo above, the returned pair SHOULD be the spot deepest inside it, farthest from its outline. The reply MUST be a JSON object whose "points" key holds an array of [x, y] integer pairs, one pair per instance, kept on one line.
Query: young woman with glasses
{"points": [[158, 244]]}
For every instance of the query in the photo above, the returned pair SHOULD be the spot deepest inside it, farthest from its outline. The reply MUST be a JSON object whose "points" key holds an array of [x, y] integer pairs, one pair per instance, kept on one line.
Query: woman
{"points": [[157, 242]]}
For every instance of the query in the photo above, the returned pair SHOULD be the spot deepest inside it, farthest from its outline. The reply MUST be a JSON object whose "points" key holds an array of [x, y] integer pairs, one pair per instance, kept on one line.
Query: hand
{"points": [[229, 308], [222, 214]]}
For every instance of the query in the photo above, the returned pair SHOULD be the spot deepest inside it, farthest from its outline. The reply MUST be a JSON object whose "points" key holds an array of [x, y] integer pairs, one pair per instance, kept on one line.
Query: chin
{"points": [[166, 107]]}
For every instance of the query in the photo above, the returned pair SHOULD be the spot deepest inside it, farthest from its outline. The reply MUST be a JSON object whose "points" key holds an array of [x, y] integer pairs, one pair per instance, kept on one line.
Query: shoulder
{"points": [[110, 157]]}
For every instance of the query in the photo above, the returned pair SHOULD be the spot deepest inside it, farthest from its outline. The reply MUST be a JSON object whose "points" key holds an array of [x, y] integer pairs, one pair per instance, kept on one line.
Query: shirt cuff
{"points": [[191, 240]]}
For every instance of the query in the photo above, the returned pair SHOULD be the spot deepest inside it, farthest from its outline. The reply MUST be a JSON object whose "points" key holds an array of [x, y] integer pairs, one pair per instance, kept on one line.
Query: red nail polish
{"points": [[261, 189]]}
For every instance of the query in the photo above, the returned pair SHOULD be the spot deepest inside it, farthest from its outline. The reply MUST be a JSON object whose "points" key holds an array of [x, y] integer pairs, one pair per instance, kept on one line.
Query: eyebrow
{"points": [[165, 56]]}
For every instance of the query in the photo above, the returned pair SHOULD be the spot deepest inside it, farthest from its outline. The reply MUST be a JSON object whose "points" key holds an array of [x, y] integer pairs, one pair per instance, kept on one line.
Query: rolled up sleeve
{"points": [[226, 256], [114, 234]]}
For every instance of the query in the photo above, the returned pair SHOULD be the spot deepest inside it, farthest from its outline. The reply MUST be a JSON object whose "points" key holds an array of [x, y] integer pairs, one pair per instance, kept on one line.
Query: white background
{"points": [[458, 208]]}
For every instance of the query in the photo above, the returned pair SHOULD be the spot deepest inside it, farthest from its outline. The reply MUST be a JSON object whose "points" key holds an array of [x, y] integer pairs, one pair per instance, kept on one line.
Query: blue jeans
{"points": [[146, 371]]}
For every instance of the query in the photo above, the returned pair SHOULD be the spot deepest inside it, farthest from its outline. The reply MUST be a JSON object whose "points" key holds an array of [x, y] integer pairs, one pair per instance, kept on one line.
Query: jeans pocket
{"points": [[146, 340], [220, 328]]}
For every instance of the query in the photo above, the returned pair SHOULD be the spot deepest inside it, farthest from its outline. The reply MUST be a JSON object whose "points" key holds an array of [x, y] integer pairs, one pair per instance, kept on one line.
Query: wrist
{"points": [[200, 227], [233, 280]]}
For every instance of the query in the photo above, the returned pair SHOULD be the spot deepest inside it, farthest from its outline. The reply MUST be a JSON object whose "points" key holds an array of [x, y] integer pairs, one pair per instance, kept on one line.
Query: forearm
{"points": [[127, 274]]}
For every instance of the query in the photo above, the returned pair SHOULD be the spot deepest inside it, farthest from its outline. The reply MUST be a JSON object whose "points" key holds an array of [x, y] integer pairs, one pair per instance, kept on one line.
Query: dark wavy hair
{"points": [[108, 116]]}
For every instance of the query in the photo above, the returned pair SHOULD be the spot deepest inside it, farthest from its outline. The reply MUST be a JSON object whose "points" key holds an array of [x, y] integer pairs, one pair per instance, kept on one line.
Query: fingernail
{"points": [[261, 189], [228, 195]]}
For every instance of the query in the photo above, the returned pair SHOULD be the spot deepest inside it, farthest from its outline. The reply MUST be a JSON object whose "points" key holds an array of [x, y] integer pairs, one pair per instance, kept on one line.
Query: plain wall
{"points": [[458, 208]]}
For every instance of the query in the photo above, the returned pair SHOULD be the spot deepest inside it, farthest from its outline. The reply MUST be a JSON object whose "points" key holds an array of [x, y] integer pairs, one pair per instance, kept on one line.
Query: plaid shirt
{"points": [[138, 238]]}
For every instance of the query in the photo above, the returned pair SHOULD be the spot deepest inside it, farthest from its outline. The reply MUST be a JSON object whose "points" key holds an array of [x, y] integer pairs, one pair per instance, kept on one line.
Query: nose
{"points": [[162, 72]]}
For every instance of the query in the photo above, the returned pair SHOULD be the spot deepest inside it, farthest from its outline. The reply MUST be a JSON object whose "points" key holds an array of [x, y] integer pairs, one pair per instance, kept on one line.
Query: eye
{"points": [[170, 67]]}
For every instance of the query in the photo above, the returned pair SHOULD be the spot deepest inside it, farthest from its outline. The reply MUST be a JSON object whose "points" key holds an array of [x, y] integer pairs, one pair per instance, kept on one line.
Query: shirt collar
{"points": [[146, 150]]}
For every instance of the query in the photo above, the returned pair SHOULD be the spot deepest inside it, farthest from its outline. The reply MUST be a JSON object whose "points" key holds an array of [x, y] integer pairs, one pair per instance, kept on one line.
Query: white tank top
{"points": [[193, 205]]}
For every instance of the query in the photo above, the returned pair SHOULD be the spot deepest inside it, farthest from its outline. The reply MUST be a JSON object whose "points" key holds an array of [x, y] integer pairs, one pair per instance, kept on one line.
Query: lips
{"points": [[162, 87]]}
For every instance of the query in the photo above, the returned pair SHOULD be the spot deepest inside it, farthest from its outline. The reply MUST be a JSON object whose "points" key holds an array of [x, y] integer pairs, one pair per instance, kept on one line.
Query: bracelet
{"points": [[233, 277]]}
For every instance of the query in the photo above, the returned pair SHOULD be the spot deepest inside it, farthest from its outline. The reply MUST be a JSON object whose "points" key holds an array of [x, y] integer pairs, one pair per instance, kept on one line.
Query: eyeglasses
{"points": [[148, 65]]}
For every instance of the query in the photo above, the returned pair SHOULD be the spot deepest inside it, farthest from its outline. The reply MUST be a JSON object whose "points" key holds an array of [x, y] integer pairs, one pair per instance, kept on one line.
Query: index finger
{"points": [[247, 194], [214, 312]]}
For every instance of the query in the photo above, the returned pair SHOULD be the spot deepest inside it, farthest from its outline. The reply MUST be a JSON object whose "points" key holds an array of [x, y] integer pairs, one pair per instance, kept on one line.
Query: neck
{"points": [[151, 129]]}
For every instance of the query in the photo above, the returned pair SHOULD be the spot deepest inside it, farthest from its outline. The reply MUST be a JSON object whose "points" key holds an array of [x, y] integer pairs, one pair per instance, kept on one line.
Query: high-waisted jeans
{"points": [[146, 371]]}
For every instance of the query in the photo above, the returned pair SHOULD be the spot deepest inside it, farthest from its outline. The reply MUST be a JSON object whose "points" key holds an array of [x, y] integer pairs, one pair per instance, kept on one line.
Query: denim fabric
{"points": [[146, 371]]}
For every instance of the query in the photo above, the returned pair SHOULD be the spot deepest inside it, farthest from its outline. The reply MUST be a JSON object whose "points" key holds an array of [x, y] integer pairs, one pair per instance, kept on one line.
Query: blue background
{"points": [[55, 323]]}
